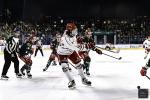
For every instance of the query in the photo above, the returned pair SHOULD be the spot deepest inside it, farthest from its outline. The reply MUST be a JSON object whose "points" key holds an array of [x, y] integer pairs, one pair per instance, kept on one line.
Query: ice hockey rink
{"points": [[111, 79]]}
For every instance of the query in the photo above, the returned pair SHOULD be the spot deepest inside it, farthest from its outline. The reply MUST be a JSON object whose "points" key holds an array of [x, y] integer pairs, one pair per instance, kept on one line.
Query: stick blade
{"points": [[120, 58]]}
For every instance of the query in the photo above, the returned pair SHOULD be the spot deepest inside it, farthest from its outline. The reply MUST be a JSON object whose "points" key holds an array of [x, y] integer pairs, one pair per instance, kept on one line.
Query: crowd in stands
{"points": [[127, 30]]}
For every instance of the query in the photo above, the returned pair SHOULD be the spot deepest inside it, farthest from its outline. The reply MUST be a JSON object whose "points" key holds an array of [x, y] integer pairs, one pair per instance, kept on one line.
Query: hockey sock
{"points": [[48, 63], [87, 65], [66, 71], [80, 70], [68, 74]]}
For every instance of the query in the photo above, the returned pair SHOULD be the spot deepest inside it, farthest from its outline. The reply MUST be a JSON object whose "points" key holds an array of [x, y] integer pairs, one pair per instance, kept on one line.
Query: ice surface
{"points": [[111, 79]]}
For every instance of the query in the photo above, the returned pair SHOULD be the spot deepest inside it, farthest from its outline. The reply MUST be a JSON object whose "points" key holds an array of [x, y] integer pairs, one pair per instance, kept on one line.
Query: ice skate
{"points": [[88, 73], [29, 75], [4, 77], [18, 75], [86, 82], [45, 69], [71, 84], [22, 71]]}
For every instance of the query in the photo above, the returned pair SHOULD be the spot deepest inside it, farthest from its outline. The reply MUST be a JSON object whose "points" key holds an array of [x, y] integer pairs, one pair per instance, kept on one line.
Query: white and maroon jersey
{"points": [[68, 45], [146, 44]]}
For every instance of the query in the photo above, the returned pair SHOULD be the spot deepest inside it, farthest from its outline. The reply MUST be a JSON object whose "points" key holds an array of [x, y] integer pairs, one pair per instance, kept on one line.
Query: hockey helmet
{"points": [[16, 34], [71, 26], [71, 29], [88, 32]]}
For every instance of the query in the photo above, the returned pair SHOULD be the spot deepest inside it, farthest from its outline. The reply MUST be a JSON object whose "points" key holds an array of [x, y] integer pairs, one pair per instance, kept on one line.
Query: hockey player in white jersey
{"points": [[146, 45], [67, 49]]}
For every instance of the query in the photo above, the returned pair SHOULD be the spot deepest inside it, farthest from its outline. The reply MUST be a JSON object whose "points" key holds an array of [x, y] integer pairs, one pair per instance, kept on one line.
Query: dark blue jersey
{"points": [[26, 49]]}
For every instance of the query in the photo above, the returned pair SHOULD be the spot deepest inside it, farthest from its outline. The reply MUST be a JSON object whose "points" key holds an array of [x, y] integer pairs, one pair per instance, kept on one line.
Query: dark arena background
{"points": [[117, 58], [110, 17]]}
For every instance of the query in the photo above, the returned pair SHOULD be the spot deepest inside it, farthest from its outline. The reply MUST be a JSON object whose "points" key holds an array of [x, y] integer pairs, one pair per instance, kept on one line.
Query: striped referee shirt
{"points": [[12, 44]]}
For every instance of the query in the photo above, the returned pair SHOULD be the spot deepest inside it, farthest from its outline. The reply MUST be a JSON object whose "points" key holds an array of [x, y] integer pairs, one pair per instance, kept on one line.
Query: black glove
{"points": [[98, 51]]}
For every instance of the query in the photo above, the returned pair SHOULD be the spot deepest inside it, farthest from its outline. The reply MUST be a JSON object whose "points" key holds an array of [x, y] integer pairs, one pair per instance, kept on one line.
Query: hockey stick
{"points": [[147, 77], [71, 64], [109, 50], [112, 56]]}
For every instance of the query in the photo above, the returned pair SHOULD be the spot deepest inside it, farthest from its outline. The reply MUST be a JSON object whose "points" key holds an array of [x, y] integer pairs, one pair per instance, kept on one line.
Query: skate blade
{"points": [[5, 79], [87, 75], [71, 88], [87, 84], [29, 77], [19, 76]]}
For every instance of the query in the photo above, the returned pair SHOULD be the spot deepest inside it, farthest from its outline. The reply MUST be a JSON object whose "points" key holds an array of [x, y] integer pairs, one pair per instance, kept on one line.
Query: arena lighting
{"points": [[104, 22], [61, 21], [82, 26], [55, 25], [93, 24]]}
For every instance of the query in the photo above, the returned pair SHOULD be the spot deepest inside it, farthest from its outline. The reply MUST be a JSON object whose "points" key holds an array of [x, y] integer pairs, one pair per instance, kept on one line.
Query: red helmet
{"points": [[71, 26], [71, 29]]}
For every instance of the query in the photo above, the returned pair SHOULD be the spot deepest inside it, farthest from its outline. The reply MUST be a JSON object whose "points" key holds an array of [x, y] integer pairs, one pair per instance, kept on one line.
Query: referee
{"points": [[38, 47], [10, 50]]}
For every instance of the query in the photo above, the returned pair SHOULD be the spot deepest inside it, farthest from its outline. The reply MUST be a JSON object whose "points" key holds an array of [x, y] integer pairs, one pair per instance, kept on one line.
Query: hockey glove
{"points": [[143, 71], [98, 51]]}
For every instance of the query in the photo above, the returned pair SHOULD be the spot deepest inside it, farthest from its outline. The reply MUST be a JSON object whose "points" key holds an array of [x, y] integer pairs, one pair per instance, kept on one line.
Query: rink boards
{"points": [[120, 46]]}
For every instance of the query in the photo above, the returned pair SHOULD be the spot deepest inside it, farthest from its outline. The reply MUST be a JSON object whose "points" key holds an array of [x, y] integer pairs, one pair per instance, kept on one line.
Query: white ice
{"points": [[111, 79]]}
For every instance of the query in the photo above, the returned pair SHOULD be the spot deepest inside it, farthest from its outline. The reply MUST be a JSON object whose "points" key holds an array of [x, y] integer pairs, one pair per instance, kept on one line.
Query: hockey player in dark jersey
{"points": [[25, 53], [87, 40], [53, 55]]}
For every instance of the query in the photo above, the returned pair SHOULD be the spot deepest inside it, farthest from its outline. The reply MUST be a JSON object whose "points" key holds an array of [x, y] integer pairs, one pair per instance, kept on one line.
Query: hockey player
{"points": [[10, 54], [146, 45], [86, 39], [25, 53], [68, 49], [53, 54], [38, 47]]}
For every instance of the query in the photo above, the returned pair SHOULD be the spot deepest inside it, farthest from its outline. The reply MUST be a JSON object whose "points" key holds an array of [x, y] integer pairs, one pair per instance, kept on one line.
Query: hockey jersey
{"points": [[85, 40], [68, 45], [26, 49], [146, 44], [12, 45]]}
